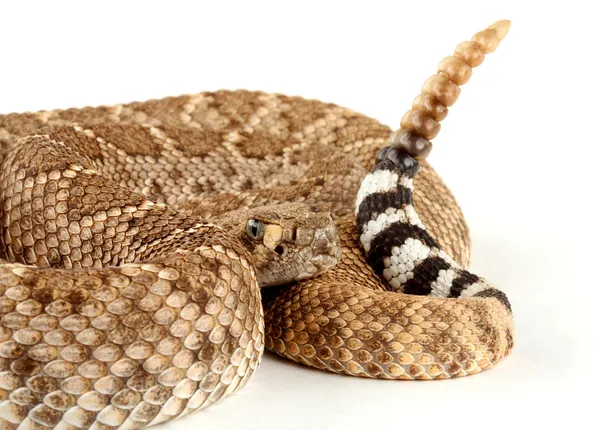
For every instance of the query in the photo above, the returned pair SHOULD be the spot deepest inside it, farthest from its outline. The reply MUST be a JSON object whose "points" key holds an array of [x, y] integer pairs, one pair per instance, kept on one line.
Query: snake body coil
{"points": [[135, 239]]}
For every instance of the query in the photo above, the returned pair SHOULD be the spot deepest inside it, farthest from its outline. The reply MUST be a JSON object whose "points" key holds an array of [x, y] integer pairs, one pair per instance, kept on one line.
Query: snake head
{"points": [[287, 242]]}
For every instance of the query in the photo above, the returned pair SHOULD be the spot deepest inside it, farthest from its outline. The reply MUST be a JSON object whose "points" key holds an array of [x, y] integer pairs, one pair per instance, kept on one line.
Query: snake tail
{"points": [[422, 122], [396, 242]]}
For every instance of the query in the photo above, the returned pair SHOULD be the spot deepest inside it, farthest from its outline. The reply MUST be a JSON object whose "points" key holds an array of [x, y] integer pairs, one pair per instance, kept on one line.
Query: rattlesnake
{"points": [[136, 236]]}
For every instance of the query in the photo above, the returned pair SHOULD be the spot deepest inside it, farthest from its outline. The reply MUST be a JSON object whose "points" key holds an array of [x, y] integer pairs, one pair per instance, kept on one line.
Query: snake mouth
{"points": [[320, 263], [324, 262], [326, 250]]}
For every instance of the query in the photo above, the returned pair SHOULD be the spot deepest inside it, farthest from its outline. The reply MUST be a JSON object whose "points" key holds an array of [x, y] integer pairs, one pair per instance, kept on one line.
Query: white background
{"points": [[519, 150]]}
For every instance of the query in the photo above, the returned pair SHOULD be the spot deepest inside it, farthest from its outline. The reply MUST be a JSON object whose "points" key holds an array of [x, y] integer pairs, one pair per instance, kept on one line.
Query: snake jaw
{"points": [[325, 262], [302, 260], [326, 249]]}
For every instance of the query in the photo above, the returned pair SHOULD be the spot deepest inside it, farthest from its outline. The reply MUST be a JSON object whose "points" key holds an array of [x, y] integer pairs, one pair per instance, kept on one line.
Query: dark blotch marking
{"points": [[395, 235], [396, 160], [497, 294], [462, 281], [376, 203], [25, 367], [76, 296], [424, 274], [47, 295]]}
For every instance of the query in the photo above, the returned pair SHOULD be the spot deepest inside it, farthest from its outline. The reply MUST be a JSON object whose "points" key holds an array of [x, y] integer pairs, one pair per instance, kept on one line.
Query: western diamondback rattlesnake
{"points": [[135, 238]]}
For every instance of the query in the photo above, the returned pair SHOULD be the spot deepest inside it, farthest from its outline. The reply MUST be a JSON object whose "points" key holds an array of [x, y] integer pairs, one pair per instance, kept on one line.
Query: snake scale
{"points": [[135, 239]]}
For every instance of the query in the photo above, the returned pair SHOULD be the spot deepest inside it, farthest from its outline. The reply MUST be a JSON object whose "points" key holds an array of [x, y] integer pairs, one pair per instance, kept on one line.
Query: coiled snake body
{"points": [[135, 239]]}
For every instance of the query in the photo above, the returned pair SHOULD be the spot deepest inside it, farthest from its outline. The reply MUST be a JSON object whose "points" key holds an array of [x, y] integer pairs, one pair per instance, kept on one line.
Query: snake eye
{"points": [[255, 229]]}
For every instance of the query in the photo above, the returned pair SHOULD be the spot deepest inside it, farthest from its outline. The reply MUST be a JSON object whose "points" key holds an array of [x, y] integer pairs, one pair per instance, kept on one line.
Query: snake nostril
{"points": [[319, 207], [280, 249]]}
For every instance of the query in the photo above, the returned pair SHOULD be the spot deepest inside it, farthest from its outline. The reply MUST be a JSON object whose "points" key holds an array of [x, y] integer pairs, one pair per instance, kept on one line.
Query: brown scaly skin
{"points": [[178, 325], [175, 327]]}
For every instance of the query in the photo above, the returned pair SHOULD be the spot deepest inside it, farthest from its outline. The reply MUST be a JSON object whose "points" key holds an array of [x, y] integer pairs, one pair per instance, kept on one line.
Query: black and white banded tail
{"points": [[396, 242]]}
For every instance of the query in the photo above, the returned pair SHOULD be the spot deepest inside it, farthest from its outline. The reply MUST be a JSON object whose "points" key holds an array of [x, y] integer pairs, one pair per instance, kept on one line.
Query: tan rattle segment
{"points": [[422, 122]]}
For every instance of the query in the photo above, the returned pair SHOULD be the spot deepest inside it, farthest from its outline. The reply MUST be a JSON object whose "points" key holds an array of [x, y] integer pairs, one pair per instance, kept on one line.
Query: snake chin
{"points": [[277, 274], [325, 262], [322, 263]]}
